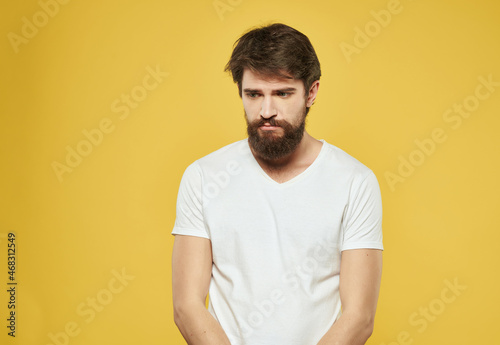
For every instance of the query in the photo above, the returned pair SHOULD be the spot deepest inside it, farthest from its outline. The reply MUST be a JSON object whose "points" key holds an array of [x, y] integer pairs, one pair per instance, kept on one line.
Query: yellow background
{"points": [[115, 210]]}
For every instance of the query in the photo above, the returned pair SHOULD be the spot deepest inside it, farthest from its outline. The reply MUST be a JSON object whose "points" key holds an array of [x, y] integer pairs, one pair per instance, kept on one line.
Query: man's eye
{"points": [[283, 94], [252, 95]]}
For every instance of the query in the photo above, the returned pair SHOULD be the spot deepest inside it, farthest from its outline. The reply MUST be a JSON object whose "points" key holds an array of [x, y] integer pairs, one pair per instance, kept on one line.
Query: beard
{"points": [[271, 146]]}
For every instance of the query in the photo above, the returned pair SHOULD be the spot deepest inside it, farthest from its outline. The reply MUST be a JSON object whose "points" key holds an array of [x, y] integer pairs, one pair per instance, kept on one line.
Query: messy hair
{"points": [[275, 50]]}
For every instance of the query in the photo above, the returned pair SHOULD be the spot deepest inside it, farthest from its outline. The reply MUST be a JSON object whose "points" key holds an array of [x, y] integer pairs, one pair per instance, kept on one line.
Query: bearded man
{"points": [[282, 231]]}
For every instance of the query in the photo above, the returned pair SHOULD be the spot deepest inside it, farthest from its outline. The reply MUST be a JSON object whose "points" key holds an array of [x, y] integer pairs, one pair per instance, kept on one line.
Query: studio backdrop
{"points": [[103, 105]]}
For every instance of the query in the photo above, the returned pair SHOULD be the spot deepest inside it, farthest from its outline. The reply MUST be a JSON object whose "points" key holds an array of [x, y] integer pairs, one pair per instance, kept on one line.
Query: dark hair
{"points": [[276, 50]]}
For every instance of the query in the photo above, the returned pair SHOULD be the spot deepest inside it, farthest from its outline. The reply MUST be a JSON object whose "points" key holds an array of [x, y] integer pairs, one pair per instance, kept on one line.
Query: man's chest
{"points": [[260, 224]]}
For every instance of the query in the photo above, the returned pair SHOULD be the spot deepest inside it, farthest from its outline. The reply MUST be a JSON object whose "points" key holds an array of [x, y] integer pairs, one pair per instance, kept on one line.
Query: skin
{"points": [[360, 271], [282, 99], [191, 273], [360, 275]]}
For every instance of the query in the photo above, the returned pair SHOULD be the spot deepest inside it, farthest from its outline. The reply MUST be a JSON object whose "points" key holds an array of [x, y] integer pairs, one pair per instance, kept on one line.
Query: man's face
{"points": [[275, 111]]}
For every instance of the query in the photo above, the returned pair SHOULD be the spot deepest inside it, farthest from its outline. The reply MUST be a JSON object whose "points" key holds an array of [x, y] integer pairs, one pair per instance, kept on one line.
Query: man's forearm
{"points": [[349, 329], [199, 327]]}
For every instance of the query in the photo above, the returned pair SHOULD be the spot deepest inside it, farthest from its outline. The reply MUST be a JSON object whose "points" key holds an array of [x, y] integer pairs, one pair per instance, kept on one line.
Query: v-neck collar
{"points": [[293, 179]]}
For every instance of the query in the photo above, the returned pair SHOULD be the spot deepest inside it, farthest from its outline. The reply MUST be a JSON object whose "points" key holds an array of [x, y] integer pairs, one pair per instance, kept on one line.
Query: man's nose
{"points": [[268, 108]]}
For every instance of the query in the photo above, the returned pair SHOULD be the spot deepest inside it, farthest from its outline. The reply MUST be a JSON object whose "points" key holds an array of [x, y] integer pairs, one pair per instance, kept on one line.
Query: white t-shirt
{"points": [[276, 246]]}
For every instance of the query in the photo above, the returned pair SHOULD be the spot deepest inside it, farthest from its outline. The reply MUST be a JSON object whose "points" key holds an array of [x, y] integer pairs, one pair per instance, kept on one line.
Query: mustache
{"points": [[271, 121]]}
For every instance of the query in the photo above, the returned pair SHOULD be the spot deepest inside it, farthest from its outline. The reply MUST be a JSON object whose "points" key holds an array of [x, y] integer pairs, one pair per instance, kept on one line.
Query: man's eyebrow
{"points": [[287, 89]]}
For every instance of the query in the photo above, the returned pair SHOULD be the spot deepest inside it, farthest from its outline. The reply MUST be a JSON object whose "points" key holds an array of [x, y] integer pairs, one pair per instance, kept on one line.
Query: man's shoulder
{"points": [[343, 161], [235, 151]]}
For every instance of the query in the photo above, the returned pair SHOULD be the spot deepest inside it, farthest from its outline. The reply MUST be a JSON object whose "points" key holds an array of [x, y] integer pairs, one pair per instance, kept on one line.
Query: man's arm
{"points": [[360, 275], [191, 273]]}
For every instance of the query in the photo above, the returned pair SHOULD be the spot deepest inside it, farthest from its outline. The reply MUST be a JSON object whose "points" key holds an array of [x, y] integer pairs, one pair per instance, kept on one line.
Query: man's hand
{"points": [[360, 275], [191, 273]]}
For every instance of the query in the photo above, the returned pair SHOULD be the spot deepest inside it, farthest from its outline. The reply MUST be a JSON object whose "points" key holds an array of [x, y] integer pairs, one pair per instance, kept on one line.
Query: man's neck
{"points": [[294, 163]]}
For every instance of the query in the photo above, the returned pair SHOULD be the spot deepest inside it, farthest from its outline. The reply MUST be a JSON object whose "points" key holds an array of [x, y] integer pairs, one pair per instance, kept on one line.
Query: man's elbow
{"points": [[178, 312], [183, 310], [367, 323], [362, 324]]}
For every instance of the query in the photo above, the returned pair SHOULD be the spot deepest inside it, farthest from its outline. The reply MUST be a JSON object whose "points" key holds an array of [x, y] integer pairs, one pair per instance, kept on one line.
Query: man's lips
{"points": [[268, 127]]}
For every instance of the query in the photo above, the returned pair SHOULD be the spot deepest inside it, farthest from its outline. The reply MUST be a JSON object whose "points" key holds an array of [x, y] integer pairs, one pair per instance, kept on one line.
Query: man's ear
{"points": [[313, 91]]}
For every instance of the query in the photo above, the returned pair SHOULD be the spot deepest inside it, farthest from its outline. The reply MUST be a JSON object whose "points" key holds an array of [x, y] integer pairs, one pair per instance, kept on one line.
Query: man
{"points": [[280, 230]]}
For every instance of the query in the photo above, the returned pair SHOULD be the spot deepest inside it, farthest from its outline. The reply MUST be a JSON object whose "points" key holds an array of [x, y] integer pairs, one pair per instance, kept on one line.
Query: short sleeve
{"points": [[362, 222], [189, 210]]}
